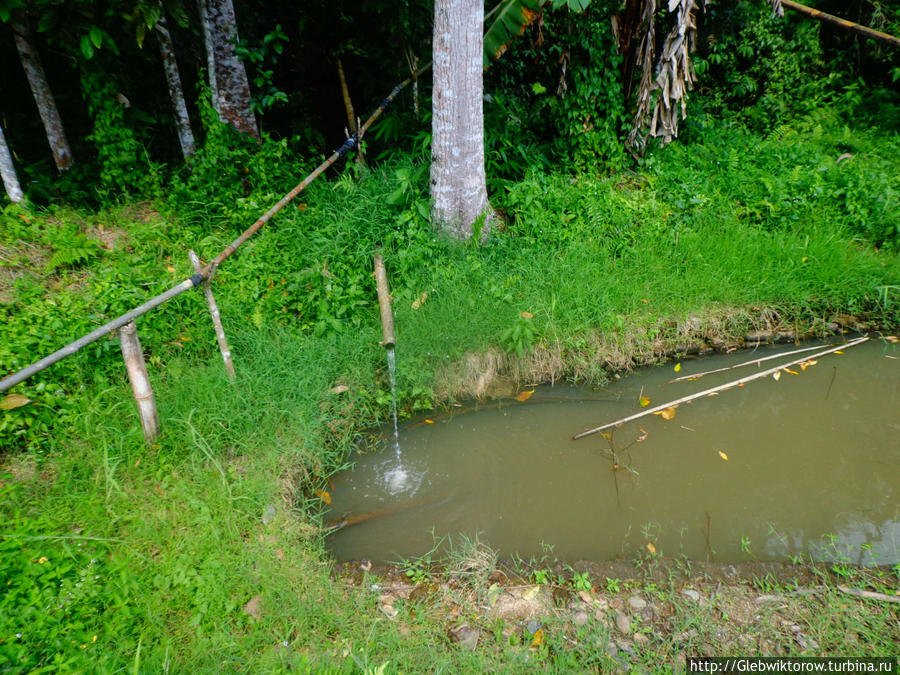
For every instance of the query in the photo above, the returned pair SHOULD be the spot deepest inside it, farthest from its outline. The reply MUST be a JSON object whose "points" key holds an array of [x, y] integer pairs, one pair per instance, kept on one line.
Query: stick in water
{"points": [[697, 376], [721, 387]]}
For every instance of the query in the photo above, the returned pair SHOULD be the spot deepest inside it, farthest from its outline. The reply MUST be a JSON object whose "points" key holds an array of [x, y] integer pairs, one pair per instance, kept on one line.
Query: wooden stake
{"points": [[140, 383], [384, 302], [721, 387], [352, 121], [843, 23], [216, 318]]}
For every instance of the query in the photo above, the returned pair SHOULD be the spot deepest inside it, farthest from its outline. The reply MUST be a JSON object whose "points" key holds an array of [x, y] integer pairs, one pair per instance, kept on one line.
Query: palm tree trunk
{"points": [[458, 189], [53, 125], [230, 74], [8, 172], [176, 93]]}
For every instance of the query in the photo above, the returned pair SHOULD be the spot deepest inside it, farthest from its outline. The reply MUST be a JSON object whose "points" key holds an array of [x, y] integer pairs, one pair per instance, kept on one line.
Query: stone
{"points": [[623, 623], [769, 598], [691, 594], [580, 618], [637, 603], [465, 636], [625, 646]]}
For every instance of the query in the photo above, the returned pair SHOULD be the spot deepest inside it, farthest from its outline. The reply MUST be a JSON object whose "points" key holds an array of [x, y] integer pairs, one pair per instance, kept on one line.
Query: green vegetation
{"points": [[779, 206]]}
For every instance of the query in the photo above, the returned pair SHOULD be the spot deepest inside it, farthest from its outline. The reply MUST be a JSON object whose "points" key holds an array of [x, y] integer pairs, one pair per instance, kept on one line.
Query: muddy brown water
{"points": [[808, 464]]}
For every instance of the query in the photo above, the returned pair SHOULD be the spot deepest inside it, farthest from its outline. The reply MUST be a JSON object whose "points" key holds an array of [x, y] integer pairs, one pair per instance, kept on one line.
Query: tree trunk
{"points": [[176, 93], [210, 54], [233, 100], [458, 190], [8, 172], [31, 62]]}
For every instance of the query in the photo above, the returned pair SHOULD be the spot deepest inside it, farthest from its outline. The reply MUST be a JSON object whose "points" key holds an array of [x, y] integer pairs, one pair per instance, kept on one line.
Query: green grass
{"points": [[157, 551]]}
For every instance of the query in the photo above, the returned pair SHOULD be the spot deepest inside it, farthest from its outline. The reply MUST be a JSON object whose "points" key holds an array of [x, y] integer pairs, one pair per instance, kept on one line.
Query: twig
{"points": [[831, 382], [697, 376], [868, 595], [713, 390]]}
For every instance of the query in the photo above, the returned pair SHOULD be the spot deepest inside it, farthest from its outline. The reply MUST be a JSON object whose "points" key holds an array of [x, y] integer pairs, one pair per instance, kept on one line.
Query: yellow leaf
{"points": [[527, 315], [538, 637], [13, 401], [324, 496], [169, 268], [524, 395], [804, 259], [429, 421], [777, 375], [668, 413], [606, 436], [892, 338], [806, 364], [792, 372], [677, 367], [838, 351], [644, 401], [531, 593], [418, 302], [723, 455], [651, 547]]}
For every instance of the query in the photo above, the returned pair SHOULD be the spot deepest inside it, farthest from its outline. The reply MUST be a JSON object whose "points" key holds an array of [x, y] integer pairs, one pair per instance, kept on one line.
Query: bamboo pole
{"points": [[843, 23], [697, 376], [714, 390], [384, 302], [352, 122], [216, 318], [208, 271], [140, 382]]}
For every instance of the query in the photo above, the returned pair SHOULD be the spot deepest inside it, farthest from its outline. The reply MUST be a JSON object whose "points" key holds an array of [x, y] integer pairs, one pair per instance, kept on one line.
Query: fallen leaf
{"points": [[668, 413], [418, 302], [651, 547], [13, 401], [806, 364], [169, 268], [642, 437], [340, 389], [324, 496], [838, 351], [792, 372], [677, 367], [892, 338], [804, 259], [588, 598], [531, 593], [538, 637], [524, 395], [527, 315], [427, 421], [776, 375], [723, 455], [607, 436], [644, 401]]}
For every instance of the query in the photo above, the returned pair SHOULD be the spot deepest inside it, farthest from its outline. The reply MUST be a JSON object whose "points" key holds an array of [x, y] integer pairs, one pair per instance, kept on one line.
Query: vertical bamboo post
{"points": [[216, 318], [384, 302], [140, 383], [352, 121]]}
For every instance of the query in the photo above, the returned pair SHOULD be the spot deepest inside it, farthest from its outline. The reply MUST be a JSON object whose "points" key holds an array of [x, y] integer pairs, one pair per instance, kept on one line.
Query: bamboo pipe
{"points": [[843, 23], [384, 302], [140, 382]]}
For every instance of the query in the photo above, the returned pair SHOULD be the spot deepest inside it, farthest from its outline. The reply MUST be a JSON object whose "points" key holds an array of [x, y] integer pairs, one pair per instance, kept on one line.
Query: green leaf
{"points": [[513, 17], [151, 15], [96, 36], [87, 48], [578, 5], [4, 14]]}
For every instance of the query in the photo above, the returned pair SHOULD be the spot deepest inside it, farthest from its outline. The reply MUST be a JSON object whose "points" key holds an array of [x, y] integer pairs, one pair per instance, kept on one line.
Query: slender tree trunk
{"points": [[210, 54], [231, 76], [53, 125], [458, 190], [176, 93], [8, 172]]}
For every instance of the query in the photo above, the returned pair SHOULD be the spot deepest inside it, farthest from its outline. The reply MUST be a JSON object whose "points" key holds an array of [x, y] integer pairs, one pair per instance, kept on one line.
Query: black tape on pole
{"points": [[197, 279], [348, 145]]}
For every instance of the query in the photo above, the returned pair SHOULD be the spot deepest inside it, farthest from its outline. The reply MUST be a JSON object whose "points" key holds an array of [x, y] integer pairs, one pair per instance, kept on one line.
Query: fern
{"points": [[71, 249]]}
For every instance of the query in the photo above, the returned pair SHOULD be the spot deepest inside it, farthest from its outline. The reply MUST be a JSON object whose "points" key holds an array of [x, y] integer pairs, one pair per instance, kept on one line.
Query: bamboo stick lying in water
{"points": [[714, 390], [340, 523], [697, 376]]}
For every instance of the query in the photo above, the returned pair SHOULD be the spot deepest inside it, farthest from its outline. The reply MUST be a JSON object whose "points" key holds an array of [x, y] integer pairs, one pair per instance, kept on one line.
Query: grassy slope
{"points": [[155, 552]]}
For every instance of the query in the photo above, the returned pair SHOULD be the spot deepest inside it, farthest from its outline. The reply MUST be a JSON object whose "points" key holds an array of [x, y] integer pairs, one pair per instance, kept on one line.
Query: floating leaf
{"points": [[538, 637], [892, 338], [806, 364], [642, 437], [668, 413], [324, 496], [651, 547], [838, 351], [427, 421], [776, 375], [723, 455], [792, 372], [677, 367], [13, 401], [644, 401], [607, 436], [524, 395]]}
